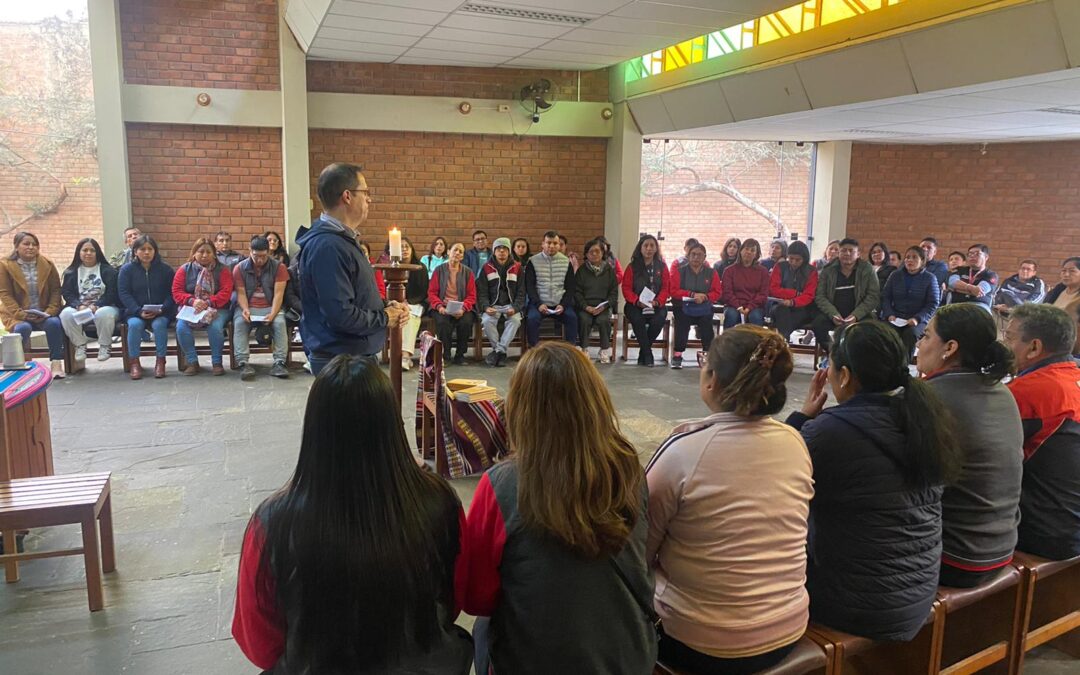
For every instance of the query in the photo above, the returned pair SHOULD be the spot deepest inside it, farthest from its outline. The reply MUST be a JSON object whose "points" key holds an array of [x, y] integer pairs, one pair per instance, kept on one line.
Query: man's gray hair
{"points": [[1052, 325]]}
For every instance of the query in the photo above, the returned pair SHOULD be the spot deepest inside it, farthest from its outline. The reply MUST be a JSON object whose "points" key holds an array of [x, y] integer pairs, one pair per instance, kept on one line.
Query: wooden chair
{"points": [[863, 656], [718, 327], [809, 657], [1051, 592], [429, 382], [665, 339], [519, 340], [82, 499], [978, 627]]}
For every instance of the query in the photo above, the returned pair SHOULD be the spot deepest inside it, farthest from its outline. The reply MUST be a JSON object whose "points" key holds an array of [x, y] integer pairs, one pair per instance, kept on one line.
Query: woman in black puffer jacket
{"points": [[881, 460]]}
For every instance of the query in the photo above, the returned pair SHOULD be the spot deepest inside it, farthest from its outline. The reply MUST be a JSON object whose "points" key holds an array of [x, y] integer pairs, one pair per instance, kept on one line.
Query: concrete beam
{"points": [[439, 114], [832, 180], [296, 177], [622, 190], [107, 68], [179, 105]]}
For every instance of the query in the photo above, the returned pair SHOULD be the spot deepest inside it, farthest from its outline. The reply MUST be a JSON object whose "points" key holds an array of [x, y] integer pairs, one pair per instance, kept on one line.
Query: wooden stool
{"points": [[854, 654], [1051, 591], [80, 498], [978, 626], [808, 658]]}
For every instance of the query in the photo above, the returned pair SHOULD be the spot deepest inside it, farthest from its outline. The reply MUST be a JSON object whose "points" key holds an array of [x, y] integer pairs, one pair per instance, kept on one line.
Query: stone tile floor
{"points": [[191, 458]]}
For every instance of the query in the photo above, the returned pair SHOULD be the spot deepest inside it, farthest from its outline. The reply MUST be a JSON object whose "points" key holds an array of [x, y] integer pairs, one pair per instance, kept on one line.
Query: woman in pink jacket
{"points": [[729, 498]]}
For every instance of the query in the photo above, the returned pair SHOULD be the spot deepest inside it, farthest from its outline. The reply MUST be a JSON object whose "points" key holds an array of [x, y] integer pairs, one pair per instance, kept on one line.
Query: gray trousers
{"points": [[242, 335], [489, 323]]}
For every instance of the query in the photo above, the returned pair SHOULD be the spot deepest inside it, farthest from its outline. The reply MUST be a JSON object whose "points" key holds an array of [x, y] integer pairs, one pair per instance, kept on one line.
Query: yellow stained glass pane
{"points": [[837, 10]]}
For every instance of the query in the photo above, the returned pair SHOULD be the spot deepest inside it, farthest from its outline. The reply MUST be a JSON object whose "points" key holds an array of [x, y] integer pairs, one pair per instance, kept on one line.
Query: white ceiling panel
{"points": [[339, 55], [484, 23], [427, 61], [524, 62], [460, 35], [415, 53], [366, 47], [436, 5], [364, 36], [575, 7], [673, 31], [603, 37], [1039, 92], [751, 7], [455, 47], [706, 19], [617, 51], [376, 25], [368, 10]]}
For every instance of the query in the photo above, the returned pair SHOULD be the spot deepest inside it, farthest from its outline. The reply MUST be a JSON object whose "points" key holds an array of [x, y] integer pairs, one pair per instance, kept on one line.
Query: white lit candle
{"points": [[395, 243]]}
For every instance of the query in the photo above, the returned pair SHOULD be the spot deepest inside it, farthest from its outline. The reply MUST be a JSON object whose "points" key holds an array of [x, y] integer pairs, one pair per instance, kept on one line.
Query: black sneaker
{"points": [[459, 360], [676, 363], [492, 359], [502, 360], [247, 373], [649, 360], [279, 370]]}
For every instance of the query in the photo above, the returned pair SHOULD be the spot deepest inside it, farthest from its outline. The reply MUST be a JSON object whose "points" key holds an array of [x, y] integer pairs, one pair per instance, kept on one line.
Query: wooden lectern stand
{"points": [[396, 276]]}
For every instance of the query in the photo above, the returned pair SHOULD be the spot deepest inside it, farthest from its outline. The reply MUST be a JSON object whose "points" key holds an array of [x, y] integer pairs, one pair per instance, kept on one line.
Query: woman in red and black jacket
{"points": [[205, 285], [561, 572], [646, 269], [351, 567], [793, 283], [453, 281], [696, 287]]}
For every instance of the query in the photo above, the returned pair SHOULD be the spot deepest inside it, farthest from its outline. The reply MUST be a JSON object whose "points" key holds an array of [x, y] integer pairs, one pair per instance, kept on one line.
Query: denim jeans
{"points": [[136, 325], [185, 337], [242, 335], [733, 317], [54, 333], [568, 319]]}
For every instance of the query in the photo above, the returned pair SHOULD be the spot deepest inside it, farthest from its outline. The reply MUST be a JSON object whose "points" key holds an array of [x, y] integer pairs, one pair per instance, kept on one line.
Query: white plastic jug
{"points": [[11, 351]]}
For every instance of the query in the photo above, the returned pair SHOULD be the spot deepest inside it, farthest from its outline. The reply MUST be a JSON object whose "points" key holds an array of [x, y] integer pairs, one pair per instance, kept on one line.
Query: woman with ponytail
{"points": [[881, 460], [961, 358], [729, 498]]}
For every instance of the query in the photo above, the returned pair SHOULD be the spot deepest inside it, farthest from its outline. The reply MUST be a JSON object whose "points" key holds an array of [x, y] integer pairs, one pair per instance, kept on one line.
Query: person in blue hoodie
{"points": [[343, 313], [146, 281], [910, 297]]}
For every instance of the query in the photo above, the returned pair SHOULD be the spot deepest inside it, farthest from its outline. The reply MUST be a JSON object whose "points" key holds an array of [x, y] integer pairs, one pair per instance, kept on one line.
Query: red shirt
{"points": [[258, 298]]}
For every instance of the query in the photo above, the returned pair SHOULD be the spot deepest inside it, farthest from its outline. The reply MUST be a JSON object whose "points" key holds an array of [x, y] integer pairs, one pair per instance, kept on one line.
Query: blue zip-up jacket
{"points": [[343, 313], [475, 260], [910, 296], [139, 286]]}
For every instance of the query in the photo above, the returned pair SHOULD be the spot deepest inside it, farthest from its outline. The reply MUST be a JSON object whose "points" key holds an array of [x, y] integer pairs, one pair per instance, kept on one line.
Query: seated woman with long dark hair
{"points": [[962, 359], [30, 297], [646, 271], [349, 568], [881, 460], [556, 535], [732, 597], [90, 283]]}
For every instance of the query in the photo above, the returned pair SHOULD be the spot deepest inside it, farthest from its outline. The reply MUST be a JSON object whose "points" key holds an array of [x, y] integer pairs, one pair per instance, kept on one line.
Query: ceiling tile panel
{"points": [[366, 47], [477, 47], [461, 35], [673, 31], [377, 25], [574, 7], [368, 10], [507, 26], [364, 36], [435, 5], [464, 57], [705, 19]]}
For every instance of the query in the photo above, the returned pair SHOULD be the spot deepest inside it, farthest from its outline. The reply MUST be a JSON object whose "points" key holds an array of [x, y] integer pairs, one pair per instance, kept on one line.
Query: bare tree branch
{"points": [[730, 191]]}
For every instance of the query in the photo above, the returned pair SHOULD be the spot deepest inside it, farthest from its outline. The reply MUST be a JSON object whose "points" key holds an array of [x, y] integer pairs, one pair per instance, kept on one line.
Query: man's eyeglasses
{"points": [[364, 191]]}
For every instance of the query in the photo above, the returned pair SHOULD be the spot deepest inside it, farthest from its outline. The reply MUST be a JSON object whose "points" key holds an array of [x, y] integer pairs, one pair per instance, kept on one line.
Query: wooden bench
{"points": [[978, 627], [81, 499], [854, 654], [519, 340], [431, 420], [1051, 593], [810, 657]]}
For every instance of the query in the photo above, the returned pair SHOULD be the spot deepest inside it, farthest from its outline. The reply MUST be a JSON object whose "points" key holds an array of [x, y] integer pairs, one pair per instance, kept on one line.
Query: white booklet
{"points": [[454, 306], [256, 318], [416, 310], [899, 323], [647, 295], [83, 316], [188, 313]]}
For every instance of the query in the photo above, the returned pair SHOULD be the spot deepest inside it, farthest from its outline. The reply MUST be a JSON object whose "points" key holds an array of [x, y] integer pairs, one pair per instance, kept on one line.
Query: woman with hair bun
{"points": [[729, 497], [962, 359], [882, 457]]}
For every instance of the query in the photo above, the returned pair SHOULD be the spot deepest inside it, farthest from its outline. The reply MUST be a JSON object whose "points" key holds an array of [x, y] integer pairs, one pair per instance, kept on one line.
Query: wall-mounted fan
{"points": [[537, 98]]}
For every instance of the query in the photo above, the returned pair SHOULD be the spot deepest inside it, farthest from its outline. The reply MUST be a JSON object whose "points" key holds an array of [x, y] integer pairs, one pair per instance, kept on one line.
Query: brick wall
{"points": [[33, 175], [450, 184], [1021, 199], [200, 43], [191, 181], [344, 77], [713, 217]]}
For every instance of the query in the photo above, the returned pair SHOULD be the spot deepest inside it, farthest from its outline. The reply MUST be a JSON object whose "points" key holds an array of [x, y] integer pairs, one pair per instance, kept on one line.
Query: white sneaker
{"points": [[605, 356], [104, 351], [58, 369], [80, 353]]}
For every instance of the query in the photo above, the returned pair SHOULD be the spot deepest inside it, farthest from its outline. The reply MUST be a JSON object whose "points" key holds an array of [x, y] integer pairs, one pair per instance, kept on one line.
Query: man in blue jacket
{"points": [[343, 313]]}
